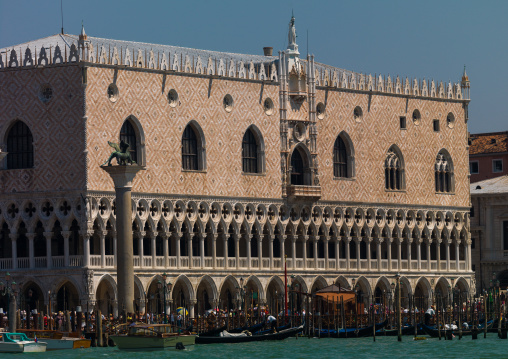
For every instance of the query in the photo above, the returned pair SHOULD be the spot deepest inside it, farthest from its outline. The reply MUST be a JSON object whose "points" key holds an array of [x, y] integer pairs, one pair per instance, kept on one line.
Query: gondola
{"points": [[406, 330], [278, 329], [253, 328], [214, 332], [350, 332], [434, 332], [252, 338]]}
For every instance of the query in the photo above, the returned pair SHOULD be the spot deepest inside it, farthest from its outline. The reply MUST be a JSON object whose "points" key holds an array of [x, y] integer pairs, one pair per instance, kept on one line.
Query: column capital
{"points": [[66, 234], [30, 236], [13, 236], [123, 175], [47, 235], [152, 234], [86, 233]]}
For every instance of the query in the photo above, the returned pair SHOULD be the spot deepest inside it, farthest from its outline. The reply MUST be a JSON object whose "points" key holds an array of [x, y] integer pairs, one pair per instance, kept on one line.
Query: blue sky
{"points": [[424, 39]]}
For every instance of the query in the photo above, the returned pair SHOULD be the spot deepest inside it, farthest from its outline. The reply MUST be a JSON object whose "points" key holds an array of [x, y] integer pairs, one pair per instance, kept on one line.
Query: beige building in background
{"points": [[489, 232], [249, 159]]}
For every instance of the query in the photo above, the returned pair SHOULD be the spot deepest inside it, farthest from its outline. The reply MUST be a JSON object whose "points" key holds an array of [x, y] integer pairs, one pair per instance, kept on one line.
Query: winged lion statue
{"points": [[121, 153]]}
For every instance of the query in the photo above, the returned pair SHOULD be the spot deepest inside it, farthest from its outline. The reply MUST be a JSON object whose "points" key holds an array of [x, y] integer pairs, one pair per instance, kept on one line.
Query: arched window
{"points": [[249, 152], [444, 173], [339, 158], [189, 149], [20, 151], [297, 170], [394, 170], [128, 135]]}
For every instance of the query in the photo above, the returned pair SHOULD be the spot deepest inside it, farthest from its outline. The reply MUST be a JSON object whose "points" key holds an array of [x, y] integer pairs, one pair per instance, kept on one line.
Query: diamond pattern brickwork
{"points": [[56, 126], [144, 95]]}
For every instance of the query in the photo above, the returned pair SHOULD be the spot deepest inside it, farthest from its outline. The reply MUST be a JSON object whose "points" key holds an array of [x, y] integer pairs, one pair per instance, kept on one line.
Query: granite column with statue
{"points": [[122, 176]]}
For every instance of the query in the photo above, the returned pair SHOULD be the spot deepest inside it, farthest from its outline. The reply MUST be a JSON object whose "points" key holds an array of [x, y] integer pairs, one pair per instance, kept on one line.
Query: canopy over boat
{"points": [[334, 293]]}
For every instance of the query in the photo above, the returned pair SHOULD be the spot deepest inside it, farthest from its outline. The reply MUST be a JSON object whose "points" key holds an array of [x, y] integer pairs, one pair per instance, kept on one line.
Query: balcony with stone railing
{"points": [[304, 192], [108, 262]]}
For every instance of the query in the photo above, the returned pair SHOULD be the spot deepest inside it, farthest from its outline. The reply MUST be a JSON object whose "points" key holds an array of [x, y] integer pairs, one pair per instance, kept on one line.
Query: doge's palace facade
{"points": [[249, 160]]}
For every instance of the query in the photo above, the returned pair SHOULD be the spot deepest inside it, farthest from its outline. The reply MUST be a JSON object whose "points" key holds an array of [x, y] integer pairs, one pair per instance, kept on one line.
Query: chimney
{"points": [[268, 51]]}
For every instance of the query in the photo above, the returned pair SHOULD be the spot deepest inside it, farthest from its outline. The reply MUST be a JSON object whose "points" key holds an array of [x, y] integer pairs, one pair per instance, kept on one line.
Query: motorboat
{"points": [[19, 343], [57, 340], [152, 337]]}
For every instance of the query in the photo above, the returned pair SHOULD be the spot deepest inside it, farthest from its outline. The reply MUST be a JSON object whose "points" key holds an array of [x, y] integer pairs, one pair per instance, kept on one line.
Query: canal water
{"points": [[384, 347]]}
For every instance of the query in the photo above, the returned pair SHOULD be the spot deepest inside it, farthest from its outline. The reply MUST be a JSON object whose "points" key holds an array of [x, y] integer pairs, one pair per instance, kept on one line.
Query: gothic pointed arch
{"points": [[343, 157], [132, 133], [20, 149], [395, 177], [301, 174], [443, 170], [193, 148], [253, 151]]}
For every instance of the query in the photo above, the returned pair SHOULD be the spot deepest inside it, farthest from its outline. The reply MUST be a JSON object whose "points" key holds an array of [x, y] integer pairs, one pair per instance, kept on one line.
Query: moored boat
{"points": [[245, 337], [56, 340], [19, 343], [152, 337]]}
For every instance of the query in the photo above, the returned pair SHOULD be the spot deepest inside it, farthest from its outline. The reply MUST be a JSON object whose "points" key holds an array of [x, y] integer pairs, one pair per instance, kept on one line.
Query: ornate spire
{"points": [[292, 46], [82, 35], [464, 75]]}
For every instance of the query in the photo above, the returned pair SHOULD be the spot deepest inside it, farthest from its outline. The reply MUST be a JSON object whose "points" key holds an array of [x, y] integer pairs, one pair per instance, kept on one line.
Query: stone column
{"points": [[49, 262], [13, 237], [214, 249], [448, 256], [337, 253], [165, 241], [189, 248], [122, 177], [379, 254], [348, 252], [86, 234], [31, 255], [141, 238], [305, 239], [192, 304], [457, 255], [293, 250], [66, 235], [314, 244], [237, 251], [438, 255], [358, 256], [399, 254], [326, 241], [115, 248], [270, 250], [102, 241], [469, 254], [409, 242], [178, 236], [260, 251], [202, 248], [249, 253], [153, 236], [369, 256], [419, 254], [282, 239], [226, 257], [389, 249], [428, 255]]}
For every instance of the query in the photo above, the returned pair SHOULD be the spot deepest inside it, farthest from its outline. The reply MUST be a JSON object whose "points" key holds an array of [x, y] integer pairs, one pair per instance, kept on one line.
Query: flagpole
{"points": [[285, 288]]}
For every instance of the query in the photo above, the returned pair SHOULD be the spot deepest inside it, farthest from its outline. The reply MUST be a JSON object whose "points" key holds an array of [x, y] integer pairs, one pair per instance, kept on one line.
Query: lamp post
{"points": [[164, 287], [10, 289]]}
